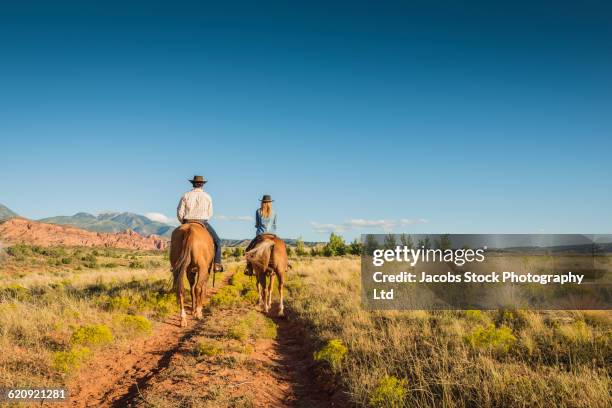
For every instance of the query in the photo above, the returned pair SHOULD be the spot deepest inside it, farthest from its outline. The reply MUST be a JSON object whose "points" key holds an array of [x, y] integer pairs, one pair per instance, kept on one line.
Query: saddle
{"points": [[194, 222]]}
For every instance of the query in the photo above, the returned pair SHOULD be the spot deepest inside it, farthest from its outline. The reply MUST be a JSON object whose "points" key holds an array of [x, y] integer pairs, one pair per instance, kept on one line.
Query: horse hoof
{"points": [[183, 322]]}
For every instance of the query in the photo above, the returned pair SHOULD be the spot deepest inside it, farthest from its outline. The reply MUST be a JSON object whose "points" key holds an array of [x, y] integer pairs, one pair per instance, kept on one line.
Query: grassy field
{"points": [[61, 306], [451, 358], [58, 306]]}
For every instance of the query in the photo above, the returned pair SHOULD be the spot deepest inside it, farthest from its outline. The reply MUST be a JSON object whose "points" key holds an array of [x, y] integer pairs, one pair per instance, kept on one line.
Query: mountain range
{"points": [[113, 222]]}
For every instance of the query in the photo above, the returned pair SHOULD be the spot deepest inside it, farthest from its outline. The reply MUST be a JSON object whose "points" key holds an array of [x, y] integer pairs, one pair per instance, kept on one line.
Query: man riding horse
{"points": [[194, 247], [196, 206]]}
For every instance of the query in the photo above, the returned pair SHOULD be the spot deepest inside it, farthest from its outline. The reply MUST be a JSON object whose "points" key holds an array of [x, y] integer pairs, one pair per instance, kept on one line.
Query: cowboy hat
{"points": [[198, 179], [266, 199]]}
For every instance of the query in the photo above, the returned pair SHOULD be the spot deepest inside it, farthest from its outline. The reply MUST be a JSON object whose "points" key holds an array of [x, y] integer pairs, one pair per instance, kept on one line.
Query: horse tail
{"points": [[183, 263], [261, 254]]}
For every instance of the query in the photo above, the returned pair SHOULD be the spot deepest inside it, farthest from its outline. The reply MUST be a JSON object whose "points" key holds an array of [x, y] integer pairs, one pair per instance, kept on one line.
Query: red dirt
{"points": [[21, 230], [280, 373]]}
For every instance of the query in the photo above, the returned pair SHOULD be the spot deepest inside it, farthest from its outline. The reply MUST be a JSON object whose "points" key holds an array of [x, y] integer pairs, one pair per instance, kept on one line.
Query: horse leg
{"points": [[201, 292], [281, 283], [191, 276], [261, 287], [180, 295], [270, 290]]}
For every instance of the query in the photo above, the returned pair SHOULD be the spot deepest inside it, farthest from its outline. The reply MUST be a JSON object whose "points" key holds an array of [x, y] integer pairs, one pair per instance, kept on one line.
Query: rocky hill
{"points": [[6, 213], [21, 230], [113, 222]]}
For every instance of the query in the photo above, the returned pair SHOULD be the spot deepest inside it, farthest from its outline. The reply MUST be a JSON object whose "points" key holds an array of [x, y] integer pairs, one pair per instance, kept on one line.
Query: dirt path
{"points": [[164, 371], [257, 373], [113, 377]]}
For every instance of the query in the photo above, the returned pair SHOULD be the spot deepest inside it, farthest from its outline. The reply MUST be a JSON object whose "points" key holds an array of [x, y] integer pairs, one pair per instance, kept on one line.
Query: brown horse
{"points": [[191, 254], [269, 259]]}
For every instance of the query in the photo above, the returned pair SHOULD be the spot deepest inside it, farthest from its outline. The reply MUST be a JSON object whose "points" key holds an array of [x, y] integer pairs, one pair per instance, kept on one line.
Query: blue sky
{"points": [[355, 116]]}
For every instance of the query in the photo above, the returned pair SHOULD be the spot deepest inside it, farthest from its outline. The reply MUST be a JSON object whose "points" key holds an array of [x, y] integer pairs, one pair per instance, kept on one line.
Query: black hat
{"points": [[198, 179], [266, 199]]}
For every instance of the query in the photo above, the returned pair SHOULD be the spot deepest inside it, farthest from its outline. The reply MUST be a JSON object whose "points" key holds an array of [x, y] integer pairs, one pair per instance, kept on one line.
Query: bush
{"points": [[227, 297], [492, 338], [515, 319], [333, 353], [92, 335], [136, 325], [390, 392], [69, 361], [476, 316], [118, 303], [136, 264], [253, 325], [207, 348]]}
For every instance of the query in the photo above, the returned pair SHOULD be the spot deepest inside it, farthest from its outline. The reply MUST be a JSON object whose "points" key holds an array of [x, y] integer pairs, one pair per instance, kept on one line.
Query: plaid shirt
{"points": [[195, 205]]}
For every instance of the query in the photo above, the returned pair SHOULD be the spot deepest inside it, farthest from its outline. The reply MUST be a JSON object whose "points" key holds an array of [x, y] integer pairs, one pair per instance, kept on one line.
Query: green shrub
{"points": [[333, 353], [17, 292], [165, 305], [476, 316], [119, 303], [492, 338], [69, 361], [390, 392], [136, 325], [92, 335], [240, 331], [515, 319], [208, 348], [253, 325], [136, 264], [66, 261], [227, 297]]}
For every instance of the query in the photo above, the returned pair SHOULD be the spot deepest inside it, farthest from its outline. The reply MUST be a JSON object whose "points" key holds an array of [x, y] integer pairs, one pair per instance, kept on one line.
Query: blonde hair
{"points": [[265, 209]]}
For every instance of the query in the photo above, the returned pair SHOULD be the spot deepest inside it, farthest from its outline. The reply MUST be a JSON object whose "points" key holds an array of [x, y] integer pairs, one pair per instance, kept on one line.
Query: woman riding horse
{"points": [[265, 223]]}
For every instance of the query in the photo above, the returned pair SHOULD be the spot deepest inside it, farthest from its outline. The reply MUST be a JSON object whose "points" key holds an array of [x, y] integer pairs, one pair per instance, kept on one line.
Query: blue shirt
{"points": [[265, 225]]}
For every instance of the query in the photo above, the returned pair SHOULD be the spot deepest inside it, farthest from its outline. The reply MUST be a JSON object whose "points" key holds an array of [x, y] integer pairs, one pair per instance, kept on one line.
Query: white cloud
{"points": [[327, 227], [159, 217], [233, 217], [360, 223]]}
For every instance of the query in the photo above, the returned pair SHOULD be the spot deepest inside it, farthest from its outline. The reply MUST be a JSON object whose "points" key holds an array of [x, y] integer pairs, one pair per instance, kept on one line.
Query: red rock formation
{"points": [[21, 230]]}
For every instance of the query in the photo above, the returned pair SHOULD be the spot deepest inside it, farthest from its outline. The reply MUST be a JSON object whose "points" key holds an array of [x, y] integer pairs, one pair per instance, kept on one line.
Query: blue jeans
{"points": [[216, 239]]}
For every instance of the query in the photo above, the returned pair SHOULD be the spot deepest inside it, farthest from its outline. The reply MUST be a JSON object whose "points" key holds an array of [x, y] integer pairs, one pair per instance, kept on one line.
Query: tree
{"points": [[355, 247], [444, 242], [390, 242], [406, 240], [370, 245], [425, 243], [335, 246], [314, 251], [300, 249]]}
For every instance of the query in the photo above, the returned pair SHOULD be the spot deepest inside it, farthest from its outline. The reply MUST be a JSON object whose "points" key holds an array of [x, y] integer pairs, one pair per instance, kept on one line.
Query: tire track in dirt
{"points": [[112, 377]]}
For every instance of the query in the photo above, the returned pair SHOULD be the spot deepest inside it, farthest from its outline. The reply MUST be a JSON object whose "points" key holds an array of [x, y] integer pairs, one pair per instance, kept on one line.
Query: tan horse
{"points": [[269, 259], [191, 254]]}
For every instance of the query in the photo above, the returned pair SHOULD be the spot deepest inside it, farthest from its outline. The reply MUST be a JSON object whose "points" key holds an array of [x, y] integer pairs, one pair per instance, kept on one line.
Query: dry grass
{"points": [[56, 316], [452, 358]]}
